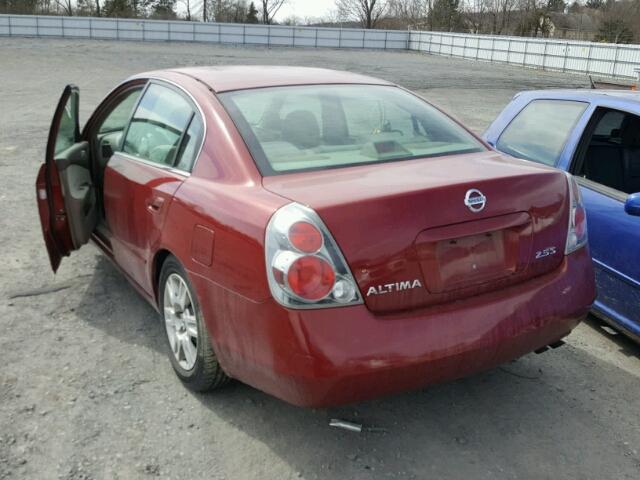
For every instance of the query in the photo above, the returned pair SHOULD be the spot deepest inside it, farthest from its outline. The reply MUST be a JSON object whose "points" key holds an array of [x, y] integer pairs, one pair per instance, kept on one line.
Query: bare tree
{"points": [[66, 6], [408, 13], [619, 21], [367, 12], [227, 11], [292, 21], [408, 9], [500, 13], [84, 8], [270, 9], [476, 15], [187, 5]]}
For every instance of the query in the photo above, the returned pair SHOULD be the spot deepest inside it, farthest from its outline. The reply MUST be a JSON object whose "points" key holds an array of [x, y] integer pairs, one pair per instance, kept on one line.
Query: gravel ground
{"points": [[87, 392]]}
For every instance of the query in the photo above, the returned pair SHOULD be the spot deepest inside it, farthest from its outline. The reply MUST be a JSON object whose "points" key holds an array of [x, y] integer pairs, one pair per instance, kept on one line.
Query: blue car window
{"points": [[609, 126], [540, 131], [612, 155]]}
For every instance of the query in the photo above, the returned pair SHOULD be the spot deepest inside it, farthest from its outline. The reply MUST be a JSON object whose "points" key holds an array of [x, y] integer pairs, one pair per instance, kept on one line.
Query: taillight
{"points": [[305, 267], [305, 237], [577, 234], [311, 277]]}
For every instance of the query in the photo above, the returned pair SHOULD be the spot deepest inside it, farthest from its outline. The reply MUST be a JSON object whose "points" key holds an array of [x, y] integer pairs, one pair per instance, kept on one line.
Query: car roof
{"points": [[236, 77], [590, 95]]}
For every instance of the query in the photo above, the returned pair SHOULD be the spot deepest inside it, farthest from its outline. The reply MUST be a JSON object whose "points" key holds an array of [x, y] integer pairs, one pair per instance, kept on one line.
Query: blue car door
{"points": [[614, 238], [607, 165]]}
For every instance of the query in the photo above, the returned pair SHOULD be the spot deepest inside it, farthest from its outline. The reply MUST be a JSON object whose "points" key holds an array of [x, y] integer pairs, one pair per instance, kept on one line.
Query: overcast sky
{"points": [[300, 8], [305, 8]]}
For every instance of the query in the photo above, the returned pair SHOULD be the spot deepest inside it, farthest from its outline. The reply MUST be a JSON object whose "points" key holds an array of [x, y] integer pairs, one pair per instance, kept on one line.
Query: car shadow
{"points": [[540, 416], [536, 417], [626, 345], [112, 305]]}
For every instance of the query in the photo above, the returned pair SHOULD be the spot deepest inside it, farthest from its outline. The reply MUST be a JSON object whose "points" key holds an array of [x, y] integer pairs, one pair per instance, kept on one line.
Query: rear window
{"points": [[541, 130], [315, 127]]}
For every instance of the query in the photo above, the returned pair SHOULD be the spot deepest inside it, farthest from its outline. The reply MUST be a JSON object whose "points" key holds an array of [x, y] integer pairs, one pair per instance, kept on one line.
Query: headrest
{"points": [[301, 128], [631, 132]]}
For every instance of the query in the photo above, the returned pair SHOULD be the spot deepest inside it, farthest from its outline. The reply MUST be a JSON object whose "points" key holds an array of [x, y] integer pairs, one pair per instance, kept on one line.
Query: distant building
{"points": [[572, 26]]}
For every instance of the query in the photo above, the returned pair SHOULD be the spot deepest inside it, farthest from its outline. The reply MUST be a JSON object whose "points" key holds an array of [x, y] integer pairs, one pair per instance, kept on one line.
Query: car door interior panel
{"points": [[79, 193]]}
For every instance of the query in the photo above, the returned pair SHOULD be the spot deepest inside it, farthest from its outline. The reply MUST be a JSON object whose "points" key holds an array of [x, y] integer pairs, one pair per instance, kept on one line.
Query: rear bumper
{"points": [[342, 355]]}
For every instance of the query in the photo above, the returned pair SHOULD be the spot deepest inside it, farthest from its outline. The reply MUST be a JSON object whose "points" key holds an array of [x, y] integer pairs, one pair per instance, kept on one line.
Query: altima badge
{"points": [[394, 287], [475, 200]]}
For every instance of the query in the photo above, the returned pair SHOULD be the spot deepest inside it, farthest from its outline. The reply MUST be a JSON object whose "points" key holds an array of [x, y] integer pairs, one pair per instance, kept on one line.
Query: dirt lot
{"points": [[87, 392]]}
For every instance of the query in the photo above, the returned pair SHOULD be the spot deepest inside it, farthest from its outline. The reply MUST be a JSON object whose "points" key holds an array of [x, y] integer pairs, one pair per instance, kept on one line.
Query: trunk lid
{"points": [[412, 241]]}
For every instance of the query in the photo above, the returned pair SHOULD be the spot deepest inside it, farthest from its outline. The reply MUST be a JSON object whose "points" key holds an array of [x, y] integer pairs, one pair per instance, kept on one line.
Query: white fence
{"points": [[156, 30], [602, 59]]}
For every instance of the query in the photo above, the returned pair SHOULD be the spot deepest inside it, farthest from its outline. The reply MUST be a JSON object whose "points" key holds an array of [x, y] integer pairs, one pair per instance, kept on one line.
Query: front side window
{"points": [[116, 120], [541, 129], [314, 127], [611, 156], [68, 124], [157, 126]]}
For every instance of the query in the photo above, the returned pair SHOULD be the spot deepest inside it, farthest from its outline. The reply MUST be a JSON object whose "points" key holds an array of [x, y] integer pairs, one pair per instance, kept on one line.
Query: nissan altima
{"points": [[323, 236]]}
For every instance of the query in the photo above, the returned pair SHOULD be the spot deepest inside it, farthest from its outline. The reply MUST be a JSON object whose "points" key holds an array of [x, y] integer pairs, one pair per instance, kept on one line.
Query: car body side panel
{"points": [[237, 216], [137, 197], [223, 160], [223, 196], [44, 210], [614, 235]]}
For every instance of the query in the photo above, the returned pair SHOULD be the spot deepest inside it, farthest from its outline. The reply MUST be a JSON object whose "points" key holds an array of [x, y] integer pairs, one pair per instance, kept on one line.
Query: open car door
{"points": [[64, 188]]}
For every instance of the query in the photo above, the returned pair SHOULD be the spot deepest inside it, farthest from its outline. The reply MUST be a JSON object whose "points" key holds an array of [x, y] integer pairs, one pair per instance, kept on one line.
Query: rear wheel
{"points": [[191, 354]]}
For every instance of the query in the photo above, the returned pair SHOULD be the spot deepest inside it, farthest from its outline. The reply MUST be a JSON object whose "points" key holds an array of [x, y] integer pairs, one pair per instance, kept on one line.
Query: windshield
{"points": [[315, 127]]}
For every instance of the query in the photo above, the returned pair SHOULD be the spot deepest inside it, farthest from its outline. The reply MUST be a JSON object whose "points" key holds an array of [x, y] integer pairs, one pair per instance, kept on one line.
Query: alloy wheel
{"points": [[180, 321]]}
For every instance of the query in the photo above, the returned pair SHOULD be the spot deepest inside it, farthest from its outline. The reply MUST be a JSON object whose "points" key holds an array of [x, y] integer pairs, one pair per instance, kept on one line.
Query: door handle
{"points": [[155, 204]]}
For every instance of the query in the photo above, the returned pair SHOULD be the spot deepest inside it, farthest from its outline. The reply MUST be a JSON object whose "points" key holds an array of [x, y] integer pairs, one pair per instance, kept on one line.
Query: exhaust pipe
{"points": [[557, 344]]}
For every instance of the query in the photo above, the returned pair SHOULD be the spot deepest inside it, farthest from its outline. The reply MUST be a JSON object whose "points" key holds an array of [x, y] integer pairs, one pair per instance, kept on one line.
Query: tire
{"points": [[190, 350]]}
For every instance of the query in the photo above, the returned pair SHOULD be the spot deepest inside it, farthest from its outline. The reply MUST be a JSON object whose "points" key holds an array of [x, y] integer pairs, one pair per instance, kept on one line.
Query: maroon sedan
{"points": [[323, 236]]}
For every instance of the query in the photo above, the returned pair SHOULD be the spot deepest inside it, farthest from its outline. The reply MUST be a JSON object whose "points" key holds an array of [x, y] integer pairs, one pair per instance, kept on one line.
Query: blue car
{"points": [[595, 135]]}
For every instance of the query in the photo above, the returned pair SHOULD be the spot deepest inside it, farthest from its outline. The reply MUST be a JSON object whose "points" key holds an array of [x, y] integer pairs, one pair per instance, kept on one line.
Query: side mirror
{"points": [[632, 205]]}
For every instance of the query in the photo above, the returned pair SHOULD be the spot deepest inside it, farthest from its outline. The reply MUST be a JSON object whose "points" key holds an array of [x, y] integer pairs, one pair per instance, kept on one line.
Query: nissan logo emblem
{"points": [[475, 200]]}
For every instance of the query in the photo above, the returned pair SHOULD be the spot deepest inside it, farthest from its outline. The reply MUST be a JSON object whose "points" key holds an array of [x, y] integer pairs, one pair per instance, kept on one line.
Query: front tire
{"points": [[191, 354]]}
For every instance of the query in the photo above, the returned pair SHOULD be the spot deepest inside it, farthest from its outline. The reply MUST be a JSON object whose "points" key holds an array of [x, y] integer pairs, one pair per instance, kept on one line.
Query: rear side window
{"points": [[190, 145], [158, 124], [289, 129], [541, 129]]}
